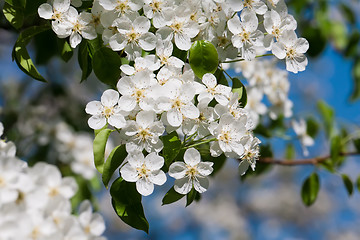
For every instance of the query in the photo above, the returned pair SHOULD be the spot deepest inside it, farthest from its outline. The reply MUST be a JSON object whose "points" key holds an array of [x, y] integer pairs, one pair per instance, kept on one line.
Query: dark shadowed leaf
{"points": [[310, 189]]}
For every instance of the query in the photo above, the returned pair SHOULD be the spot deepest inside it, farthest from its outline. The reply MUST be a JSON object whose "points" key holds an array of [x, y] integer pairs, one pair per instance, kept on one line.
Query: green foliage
{"points": [[327, 114], [289, 151], [358, 183], [171, 196], [66, 51], [203, 58], [356, 78], [126, 202], [220, 77], [312, 127], [241, 90], [14, 15], [106, 65], [335, 149], [190, 197], [114, 161], [99, 148], [21, 55], [85, 61], [348, 184], [310, 189], [357, 144], [172, 147]]}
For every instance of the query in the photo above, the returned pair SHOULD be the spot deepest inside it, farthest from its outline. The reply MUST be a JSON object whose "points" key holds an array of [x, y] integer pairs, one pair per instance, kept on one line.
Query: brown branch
{"points": [[306, 161]]}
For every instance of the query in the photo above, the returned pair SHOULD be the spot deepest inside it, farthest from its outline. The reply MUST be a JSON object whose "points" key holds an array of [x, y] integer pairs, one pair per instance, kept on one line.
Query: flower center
{"points": [[276, 32], [245, 36], [177, 103], [156, 6], [122, 6], [21, 197], [192, 171], [108, 111], [290, 52], [248, 3], [57, 15], [132, 36], [225, 136], [53, 192], [77, 27], [177, 27], [144, 134], [142, 171]]}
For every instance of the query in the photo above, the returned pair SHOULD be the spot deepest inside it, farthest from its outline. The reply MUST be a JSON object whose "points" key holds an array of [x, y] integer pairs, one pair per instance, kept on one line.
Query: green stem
{"points": [[240, 60], [200, 143]]}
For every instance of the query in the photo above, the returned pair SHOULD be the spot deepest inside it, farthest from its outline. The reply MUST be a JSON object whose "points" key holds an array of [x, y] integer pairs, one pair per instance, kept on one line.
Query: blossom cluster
{"points": [[35, 202], [232, 26], [158, 92]]}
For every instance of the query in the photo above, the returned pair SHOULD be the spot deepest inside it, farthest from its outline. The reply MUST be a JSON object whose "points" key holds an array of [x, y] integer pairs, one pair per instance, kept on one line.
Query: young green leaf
{"points": [[312, 127], [357, 144], [66, 51], [310, 189], [358, 183], [335, 149], [327, 113], [172, 147], [114, 161], [348, 184], [14, 15], [289, 152], [106, 64], [203, 58], [241, 90], [21, 55], [356, 79], [99, 148], [126, 202], [190, 197], [171, 196], [85, 61]]}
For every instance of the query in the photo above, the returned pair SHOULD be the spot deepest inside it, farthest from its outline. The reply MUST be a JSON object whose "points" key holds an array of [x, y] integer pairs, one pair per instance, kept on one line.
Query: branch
{"points": [[307, 161]]}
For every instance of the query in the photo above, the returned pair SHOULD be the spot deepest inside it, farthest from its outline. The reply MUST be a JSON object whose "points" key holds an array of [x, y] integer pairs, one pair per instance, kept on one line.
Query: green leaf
{"points": [[348, 13], [99, 148], [66, 51], [85, 61], [221, 78], [289, 152], [310, 189], [352, 46], [16, 3], [14, 15], [96, 131], [357, 144], [126, 202], [171, 196], [327, 114], [94, 45], [46, 46], [328, 165], [106, 65], [348, 184], [190, 197], [21, 55], [312, 127], [114, 161], [335, 149], [172, 147], [241, 90], [356, 79], [358, 183], [203, 58]]}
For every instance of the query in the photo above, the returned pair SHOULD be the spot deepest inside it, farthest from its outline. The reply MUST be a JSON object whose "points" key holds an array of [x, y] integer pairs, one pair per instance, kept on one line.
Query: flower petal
{"points": [[192, 157], [144, 187]]}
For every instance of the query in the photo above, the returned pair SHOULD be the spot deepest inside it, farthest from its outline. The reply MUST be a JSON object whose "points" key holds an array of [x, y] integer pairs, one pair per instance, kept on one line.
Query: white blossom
{"points": [[144, 171], [191, 173], [300, 128]]}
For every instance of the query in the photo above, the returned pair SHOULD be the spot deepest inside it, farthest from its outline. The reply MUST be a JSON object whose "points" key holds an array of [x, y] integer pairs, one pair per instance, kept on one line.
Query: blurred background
{"points": [[266, 206]]}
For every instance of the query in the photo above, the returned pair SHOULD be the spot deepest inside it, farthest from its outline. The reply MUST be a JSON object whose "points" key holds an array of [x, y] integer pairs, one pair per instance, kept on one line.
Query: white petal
{"points": [[177, 170], [127, 103], [183, 185], [45, 11], [97, 122], [145, 118], [61, 5], [117, 120], [141, 24], [201, 184], [94, 108], [153, 161], [278, 49], [209, 80], [129, 173], [147, 41], [144, 187], [157, 177], [205, 168], [182, 41], [97, 225], [190, 111], [75, 39], [243, 167], [110, 98], [192, 157], [174, 117]]}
